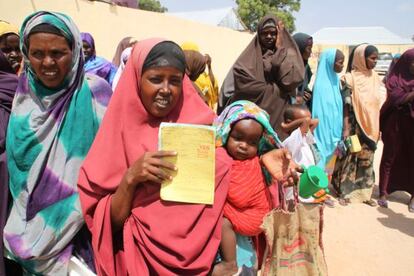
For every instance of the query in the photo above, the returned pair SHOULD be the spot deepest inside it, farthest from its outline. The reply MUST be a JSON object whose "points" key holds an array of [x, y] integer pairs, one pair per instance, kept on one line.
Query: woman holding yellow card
{"points": [[134, 232], [353, 176]]}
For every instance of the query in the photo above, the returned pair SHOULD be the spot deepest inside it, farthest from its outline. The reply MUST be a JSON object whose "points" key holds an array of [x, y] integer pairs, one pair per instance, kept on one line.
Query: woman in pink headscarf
{"points": [[134, 232]]}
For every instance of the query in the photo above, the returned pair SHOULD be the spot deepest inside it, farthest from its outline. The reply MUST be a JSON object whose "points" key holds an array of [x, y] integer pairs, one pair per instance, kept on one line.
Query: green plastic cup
{"points": [[313, 180]]}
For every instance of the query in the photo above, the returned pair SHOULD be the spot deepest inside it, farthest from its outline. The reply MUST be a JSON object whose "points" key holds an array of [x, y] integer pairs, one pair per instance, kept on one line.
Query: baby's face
{"points": [[244, 139]]}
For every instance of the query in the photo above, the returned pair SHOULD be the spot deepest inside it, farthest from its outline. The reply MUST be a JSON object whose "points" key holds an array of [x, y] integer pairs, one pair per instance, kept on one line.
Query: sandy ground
{"points": [[360, 240]]}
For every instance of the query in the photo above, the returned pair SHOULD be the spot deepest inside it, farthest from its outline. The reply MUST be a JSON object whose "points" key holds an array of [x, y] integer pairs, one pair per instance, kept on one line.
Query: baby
{"points": [[298, 123], [244, 130]]}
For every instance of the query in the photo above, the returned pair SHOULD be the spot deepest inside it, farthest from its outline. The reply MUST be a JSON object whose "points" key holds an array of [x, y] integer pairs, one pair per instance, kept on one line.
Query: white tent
{"points": [[225, 17], [358, 35]]}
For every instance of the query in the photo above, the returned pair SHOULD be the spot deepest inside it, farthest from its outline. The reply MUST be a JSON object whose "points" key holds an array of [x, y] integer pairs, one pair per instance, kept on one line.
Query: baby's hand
{"points": [[313, 124], [280, 165], [304, 127]]}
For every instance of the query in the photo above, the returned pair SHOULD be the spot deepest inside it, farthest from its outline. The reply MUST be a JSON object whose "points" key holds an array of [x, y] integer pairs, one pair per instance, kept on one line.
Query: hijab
{"points": [[253, 78], [8, 85], [196, 64], [189, 45], [365, 85], [327, 106], [126, 42], [304, 40], [246, 110], [146, 245], [49, 133], [399, 82], [98, 65], [7, 28], [122, 62]]}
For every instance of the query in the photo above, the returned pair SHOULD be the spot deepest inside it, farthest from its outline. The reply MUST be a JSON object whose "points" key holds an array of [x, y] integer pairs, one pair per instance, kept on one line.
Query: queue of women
{"points": [[80, 170]]}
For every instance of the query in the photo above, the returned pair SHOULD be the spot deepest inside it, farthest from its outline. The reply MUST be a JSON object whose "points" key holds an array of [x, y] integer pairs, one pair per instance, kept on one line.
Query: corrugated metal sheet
{"points": [[225, 17], [357, 35]]}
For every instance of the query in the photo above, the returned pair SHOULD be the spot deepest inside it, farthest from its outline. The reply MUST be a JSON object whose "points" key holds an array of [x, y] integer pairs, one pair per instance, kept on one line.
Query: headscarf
{"points": [[8, 85], [245, 110], [189, 244], [268, 79], [196, 64], [399, 83], [365, 85], [206, 82], [327, 106], [191, 46], [395, 58], [165, 54], [126, 42], [49, 133], [98, 65], [303, 40], [7, 28], [122, 62]]}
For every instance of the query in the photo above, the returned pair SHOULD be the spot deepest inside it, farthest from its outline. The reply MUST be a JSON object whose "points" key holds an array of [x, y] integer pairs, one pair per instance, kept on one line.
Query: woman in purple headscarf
{"points": [[397, 127], [8, 85], [94, 64]]}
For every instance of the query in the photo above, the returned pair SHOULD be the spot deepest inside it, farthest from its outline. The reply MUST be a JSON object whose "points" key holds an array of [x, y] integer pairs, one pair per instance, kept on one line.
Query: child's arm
{"points": [[304, 127], [345, 132], [313, 124], [289, 127]]}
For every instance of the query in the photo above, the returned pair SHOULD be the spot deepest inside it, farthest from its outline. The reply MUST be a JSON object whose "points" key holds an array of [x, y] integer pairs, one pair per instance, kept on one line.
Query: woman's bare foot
{"points": [[225, 269]]}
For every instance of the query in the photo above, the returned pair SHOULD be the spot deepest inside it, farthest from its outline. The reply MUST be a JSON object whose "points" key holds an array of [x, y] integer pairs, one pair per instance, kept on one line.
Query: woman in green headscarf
{"points": [[55, 115]]}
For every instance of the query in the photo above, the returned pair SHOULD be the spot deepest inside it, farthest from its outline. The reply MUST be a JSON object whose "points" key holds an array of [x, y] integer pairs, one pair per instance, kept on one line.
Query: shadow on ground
{"points": [[397, 221]]}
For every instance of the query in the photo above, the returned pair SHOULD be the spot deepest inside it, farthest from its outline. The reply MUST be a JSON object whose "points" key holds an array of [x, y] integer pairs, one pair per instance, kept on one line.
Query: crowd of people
{"points": [[81, 171]]}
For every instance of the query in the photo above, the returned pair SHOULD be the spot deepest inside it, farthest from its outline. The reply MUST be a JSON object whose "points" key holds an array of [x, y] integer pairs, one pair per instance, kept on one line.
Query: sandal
{"points": [[382, 203], [411, 205], [371, 203]]}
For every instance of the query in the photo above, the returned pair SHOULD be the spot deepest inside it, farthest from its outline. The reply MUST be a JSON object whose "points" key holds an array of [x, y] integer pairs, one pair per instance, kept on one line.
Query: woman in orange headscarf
{"points": [[353, 176]]}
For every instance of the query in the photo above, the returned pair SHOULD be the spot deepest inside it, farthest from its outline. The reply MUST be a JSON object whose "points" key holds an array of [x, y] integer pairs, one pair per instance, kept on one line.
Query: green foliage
{"points": [[251, 11], [151, 5]]}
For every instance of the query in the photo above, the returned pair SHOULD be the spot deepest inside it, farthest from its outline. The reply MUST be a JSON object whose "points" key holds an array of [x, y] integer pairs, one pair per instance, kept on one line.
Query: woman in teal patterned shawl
{"points": [[50, 131]]}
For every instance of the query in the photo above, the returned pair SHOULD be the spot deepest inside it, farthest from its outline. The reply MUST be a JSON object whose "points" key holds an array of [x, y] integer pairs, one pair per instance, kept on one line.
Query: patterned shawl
{"points": [[246, 110], [327, 106], [98, 65], [50, 132], [365, 85]]}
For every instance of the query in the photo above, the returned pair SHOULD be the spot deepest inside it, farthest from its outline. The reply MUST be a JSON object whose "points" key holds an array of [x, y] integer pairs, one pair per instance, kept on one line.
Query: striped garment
{"points": [[248, 200], [49, 134]]}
